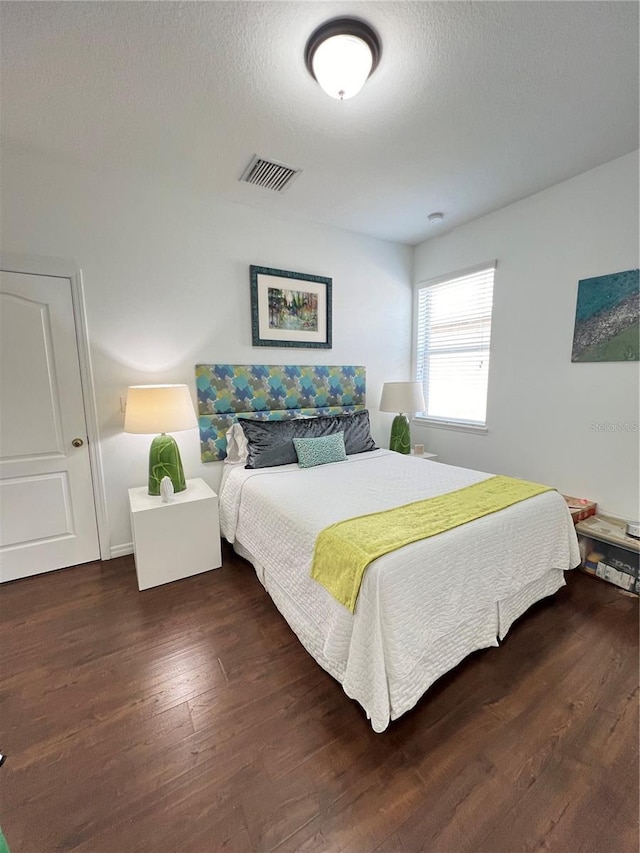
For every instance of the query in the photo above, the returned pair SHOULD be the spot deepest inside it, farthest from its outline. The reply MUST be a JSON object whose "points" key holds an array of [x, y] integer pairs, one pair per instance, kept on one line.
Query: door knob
{"points": [[77, 442]]}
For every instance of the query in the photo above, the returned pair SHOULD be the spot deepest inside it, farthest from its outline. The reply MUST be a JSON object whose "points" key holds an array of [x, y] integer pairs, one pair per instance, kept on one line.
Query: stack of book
{"points": [[580, 508]]}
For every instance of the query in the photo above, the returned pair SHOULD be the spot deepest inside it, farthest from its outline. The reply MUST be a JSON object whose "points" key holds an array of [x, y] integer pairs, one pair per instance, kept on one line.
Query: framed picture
{"points": [[290, 309], [607, 324]]}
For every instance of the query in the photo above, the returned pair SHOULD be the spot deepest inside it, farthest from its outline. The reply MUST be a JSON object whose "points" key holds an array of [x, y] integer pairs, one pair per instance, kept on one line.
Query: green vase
{"points": [[4, 847], [400, 435], [164, 461]]}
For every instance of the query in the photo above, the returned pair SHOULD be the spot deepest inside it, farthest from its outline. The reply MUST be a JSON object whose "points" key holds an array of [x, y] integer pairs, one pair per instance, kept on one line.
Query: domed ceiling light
{"points": [[341, 54]]}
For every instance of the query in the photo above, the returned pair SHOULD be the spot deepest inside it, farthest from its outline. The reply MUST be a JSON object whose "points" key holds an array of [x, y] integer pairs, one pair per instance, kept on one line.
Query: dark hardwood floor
{"points": [[188, 718]]}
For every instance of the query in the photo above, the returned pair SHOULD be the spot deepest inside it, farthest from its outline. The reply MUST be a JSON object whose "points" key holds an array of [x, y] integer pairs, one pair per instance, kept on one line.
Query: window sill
{"points": [[450, 425]]}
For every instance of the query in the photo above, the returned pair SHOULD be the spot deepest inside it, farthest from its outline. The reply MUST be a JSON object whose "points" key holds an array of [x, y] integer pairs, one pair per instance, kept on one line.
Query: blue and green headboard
{"points": [[227, 392]]}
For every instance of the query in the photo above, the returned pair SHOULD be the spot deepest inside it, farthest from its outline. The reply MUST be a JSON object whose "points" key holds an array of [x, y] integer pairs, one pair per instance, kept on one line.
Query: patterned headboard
{"points": [[270, 392]]}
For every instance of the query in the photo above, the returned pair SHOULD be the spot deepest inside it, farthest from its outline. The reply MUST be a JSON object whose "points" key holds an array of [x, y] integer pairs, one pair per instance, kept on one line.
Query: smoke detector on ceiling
{"points": [[269, 174]]}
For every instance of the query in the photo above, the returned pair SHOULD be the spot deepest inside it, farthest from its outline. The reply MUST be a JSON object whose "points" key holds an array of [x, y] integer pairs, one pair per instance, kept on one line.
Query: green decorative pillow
{"points": [[320, 451]]}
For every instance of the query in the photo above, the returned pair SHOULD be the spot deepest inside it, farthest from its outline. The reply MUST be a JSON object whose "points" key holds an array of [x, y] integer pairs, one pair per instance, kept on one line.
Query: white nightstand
{"points": [[425, 455], [177, 539]]}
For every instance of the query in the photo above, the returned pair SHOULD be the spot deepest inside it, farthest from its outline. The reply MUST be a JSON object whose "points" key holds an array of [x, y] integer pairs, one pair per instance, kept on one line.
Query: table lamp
{"points": [[163, 409], [401, 397]]}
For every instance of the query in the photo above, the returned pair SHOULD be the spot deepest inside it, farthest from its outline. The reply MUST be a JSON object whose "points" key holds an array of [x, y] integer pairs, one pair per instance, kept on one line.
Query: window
{"points": [[453, 336]]}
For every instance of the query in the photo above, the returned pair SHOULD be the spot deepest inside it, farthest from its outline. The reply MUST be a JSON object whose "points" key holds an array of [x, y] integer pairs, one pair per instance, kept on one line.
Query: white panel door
{"points": [[47, 513]]}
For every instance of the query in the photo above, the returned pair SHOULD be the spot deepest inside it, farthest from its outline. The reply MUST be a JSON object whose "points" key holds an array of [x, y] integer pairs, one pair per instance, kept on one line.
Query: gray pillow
{"points": [[270, 443], [357, 431]]}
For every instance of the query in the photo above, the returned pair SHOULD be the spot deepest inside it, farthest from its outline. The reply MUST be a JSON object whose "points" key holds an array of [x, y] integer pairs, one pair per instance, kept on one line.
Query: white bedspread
{"points": [[424, 597]]}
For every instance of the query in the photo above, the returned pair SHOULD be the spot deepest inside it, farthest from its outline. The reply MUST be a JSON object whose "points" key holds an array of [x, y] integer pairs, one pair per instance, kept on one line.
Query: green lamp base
{"points": [[164, 461], [400, 435]]}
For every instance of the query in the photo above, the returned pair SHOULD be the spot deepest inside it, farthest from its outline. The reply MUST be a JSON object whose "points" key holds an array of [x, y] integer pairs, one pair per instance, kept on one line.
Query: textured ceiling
{"points": [[473, 105]]}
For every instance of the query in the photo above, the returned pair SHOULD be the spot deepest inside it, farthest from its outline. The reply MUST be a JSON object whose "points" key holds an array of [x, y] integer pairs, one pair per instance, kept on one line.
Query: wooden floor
{"points": [[188, 718]]}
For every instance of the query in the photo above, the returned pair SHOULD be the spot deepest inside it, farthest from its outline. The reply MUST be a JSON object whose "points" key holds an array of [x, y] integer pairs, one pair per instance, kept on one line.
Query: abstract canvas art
{"points": [[607, 324]]}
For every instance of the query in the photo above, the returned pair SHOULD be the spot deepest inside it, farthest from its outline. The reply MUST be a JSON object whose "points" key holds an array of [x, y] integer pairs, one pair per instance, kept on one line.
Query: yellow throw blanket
{"points": [[344, 550]]}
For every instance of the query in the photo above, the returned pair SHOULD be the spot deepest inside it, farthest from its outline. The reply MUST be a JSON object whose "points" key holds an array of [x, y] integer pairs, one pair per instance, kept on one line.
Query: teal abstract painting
{"points": [[608, 318]]}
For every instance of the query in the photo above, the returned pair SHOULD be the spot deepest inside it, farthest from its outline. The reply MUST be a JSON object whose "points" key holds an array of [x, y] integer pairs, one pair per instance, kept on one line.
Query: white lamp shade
{"points": [[341, 65], [159, 408], [402, 397]]}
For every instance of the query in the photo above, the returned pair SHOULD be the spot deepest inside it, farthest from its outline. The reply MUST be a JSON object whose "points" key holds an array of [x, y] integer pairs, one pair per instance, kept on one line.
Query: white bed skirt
{"points": [[481, 632]]}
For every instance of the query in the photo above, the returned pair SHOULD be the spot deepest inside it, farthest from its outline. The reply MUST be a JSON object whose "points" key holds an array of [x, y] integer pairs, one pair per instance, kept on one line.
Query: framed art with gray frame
{"points": [[290, 309]]}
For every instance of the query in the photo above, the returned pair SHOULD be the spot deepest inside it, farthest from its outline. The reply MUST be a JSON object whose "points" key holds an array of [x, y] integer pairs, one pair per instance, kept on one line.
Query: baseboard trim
{"points": [[121, 550]]}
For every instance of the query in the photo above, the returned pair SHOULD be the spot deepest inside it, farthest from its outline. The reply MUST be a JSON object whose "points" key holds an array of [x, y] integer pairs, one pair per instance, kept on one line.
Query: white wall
{"points": [[542, 408], [166, 278]]}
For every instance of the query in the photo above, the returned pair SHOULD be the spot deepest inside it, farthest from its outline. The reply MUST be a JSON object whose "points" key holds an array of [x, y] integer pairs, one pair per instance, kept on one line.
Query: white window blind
{"points": [[453, 341]]}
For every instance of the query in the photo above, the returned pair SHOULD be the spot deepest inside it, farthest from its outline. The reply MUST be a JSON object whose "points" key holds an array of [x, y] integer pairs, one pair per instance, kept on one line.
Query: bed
{"points": [[422, 608]]}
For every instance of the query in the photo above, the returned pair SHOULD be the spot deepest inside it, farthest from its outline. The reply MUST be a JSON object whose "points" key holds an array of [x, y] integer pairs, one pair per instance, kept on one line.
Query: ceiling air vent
{"points": [[269, 174]]}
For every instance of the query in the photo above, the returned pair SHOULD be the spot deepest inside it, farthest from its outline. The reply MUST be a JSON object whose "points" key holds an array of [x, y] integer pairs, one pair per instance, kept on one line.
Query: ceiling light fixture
{"points": [[436, 218], [341, 54]]}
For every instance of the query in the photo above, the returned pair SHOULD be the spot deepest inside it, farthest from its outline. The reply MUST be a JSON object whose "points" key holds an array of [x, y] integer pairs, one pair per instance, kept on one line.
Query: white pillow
{"points": [[236, 445]]}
